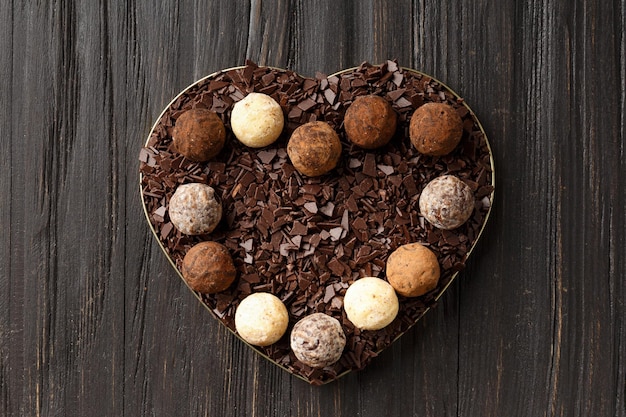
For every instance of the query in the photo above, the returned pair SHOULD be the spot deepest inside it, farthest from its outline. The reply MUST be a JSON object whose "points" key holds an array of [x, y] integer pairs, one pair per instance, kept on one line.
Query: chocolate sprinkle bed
{"points": [[306, 240]]}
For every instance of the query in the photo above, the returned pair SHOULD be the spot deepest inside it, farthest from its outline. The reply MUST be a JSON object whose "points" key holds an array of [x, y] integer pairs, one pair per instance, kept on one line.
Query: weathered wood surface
{"points": [[93, 321]]}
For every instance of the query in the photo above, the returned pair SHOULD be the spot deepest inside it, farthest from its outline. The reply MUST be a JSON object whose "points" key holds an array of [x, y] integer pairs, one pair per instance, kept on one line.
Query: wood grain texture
{"points": [[93, 321]]}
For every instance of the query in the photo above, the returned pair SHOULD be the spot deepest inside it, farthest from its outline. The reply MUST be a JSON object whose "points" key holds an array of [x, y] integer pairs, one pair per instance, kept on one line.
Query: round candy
{"points": [[199, 134], [318, 340], [371, 303], [194, 210], [446, 202], [208, 268], [257, 120], [435, 129], [314, 148], [413, 270], [261, 319], [370, 122]]}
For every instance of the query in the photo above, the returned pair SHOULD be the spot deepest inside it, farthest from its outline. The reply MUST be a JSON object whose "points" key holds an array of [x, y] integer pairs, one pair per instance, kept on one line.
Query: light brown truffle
{"points": [[446, 202], [370, 122], [208, 268], [314, 148], [435, 129], [194, 210], [199, 134], [413, 270], [261, 319], [318, 340]]}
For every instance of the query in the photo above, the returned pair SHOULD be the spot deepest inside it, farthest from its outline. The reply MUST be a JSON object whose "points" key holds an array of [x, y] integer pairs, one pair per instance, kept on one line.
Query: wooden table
{"points": [[94, 321]]}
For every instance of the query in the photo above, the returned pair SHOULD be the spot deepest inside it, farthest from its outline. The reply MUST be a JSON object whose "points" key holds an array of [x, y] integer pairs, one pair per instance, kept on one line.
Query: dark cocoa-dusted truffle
{"points": [[446, 202], [199, 134], [413, 270], [314, 148], [370, 122], [208, 268], [435, 129], [318, 340]]}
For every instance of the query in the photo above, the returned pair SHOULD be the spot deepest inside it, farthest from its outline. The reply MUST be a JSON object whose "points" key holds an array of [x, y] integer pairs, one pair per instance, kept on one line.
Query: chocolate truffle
{"points": [[194, 210], [261, 319], [314, 148], [413, 270], [199, 134], [318, 340], [208, 268], [370, 303], [435, 129], [370, 122], [257, 120], [446, 202]]}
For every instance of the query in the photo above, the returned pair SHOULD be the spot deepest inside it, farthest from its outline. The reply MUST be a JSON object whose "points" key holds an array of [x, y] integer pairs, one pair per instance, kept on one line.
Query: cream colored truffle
{"points": [[257, 120], [261, 319], [371, 303], [194, 210]]}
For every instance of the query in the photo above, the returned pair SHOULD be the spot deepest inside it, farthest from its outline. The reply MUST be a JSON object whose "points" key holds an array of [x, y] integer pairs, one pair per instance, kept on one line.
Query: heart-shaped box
{"points": [[304, 239]]}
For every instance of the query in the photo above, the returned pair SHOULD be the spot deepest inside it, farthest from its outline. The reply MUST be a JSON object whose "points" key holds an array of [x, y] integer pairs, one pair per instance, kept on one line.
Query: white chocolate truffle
{"points": [[371, 303], [257, 120], [318, 340], [446, 202], [194, 210], [261, 319]]}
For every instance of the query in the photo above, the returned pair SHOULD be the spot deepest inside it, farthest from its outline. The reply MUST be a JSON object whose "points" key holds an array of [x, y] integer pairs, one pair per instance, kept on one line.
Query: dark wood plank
{"points": [[8, 383], [591, 216], [551, 303], [94, 321], [66, 342]]}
